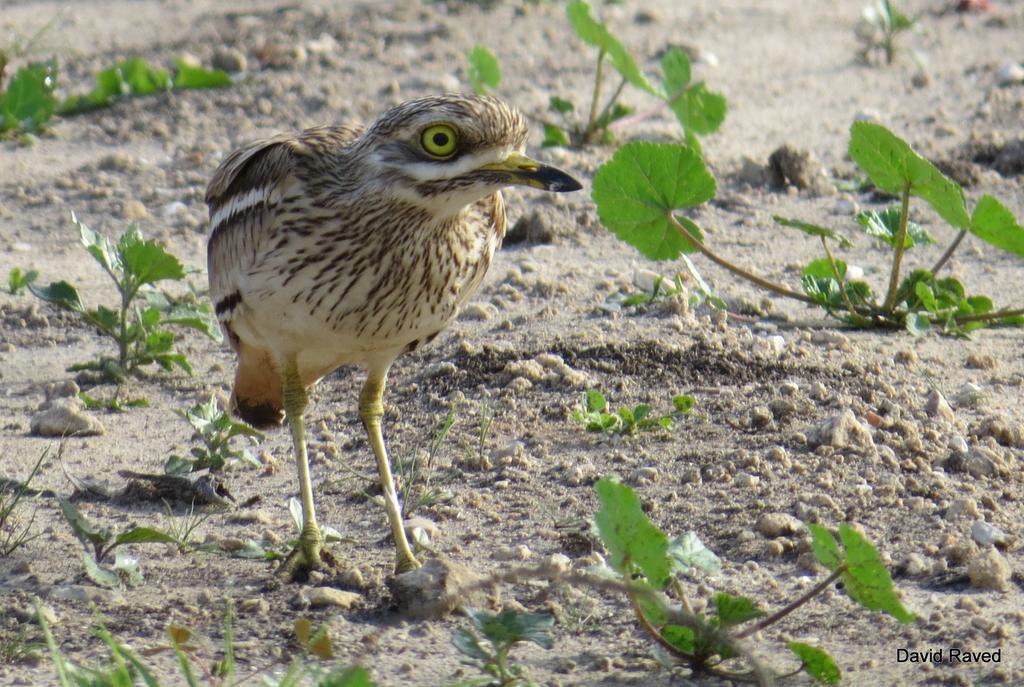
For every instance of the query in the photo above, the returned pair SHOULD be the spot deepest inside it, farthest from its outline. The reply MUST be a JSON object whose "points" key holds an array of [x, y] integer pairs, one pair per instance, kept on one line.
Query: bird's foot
{"points": [[309, 554], [406, 563]]}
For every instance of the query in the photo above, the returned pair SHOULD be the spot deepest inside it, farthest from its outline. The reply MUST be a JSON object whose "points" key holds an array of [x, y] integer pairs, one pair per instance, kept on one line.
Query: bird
{"points": [[350, 245]]}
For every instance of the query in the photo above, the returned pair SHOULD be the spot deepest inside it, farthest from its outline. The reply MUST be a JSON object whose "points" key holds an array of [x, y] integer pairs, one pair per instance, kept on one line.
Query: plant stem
{"points": [[122, 341], [735, 269], [783, 612], [597, 97], [646, 114], [995, 315], [897, 258], [611, 102], [693, 661], [949, 252]]}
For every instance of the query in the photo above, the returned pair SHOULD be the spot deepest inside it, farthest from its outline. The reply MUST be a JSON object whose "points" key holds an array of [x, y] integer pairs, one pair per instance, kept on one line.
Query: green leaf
{"points": [[892, 164], [109, 85], [142, 79], [595, 401], [99, 574], [680, 637], [554, 136], [144, 535], [917, 323], [818, 281], [812, 229], [926, 296], [560, 105], [509, 627], [29, 102], [484, 70], [867, 579], [676, 72], [825, 547], [734, 610], [176, 465], [688, 551], [994, 224], [84, 531], [191, 76], [100, 247], [18, 280], [818, 664], [629, 535], [683, 403], [468, 643], [642, 185], [885, 225], [147, 261], [596, 34], [699, 110], [60, 293], [351, 677]]}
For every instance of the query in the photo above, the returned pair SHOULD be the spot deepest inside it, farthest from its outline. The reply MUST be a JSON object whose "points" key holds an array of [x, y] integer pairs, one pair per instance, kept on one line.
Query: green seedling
{"points": [[698, 110], [651, 565], [484, 70], [216, 429], [100, 542], [125, 668], [114, 404], [135, 77], [642, 189], [664, 290], [15, 526], [182, 528], [595, 415], [23, 646], [18, 280], [415, 471], [140, 330], [28, 102], [488, 644], [880, 24]]}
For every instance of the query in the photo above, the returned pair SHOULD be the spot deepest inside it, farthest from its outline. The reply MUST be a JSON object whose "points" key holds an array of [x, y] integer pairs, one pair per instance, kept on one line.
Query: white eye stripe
{"points": [[448, 169], [237, 204]]}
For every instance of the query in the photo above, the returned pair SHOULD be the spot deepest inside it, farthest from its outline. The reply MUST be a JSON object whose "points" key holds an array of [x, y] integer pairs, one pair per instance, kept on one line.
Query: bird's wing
{"points": [[244, 199]]}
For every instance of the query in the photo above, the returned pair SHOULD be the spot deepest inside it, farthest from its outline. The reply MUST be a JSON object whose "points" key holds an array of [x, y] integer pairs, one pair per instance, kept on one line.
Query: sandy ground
{"points": [[762, 384]]}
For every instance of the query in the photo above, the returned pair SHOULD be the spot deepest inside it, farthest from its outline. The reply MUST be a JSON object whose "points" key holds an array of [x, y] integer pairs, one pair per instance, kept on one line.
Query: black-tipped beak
{"points": [[522, 171]]}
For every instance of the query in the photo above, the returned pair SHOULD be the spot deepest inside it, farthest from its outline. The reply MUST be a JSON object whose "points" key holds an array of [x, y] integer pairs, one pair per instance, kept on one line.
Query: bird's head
{"points": [[445, 152]]}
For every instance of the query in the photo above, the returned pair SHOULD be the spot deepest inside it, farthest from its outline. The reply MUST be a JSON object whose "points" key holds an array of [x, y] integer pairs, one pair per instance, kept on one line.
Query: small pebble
{"points": [[229, 60], [968, 396], [990, 570], [916, 565], [520, 552], [320, 597], [987, 535], [480, 311], [937, 407], [842, 431], [745, 480], [774, 525], [64, 418], [965, 507], [1009, 74]]}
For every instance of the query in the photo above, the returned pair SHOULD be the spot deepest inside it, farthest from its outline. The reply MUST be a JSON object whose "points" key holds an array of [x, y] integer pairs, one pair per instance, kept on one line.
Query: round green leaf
{"points": [[642, 185], [892, 164]]}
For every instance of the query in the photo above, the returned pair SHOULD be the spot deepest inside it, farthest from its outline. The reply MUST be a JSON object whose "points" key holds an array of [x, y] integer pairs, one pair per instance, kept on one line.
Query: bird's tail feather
{"points": [[258, 397]]}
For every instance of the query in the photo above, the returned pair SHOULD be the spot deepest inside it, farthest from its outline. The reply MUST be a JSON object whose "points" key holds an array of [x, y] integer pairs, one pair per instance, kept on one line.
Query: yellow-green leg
{"points": [[371, 409], [306, 555]]}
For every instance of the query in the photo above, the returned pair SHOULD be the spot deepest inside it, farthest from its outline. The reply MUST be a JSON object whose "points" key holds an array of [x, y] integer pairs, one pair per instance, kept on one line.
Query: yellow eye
{"points": [[440, 140]]}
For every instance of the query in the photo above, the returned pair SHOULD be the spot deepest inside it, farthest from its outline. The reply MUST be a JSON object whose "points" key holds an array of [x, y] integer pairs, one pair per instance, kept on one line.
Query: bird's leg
{"points": [[306, 555], [371, 409]]}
